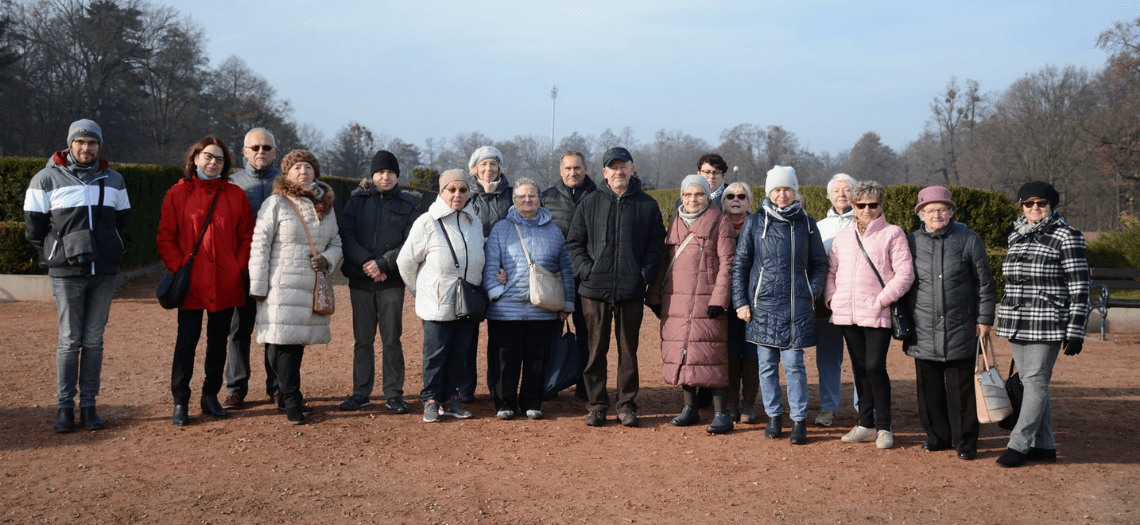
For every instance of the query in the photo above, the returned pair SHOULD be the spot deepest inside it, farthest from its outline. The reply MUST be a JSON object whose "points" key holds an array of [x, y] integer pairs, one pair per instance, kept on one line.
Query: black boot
{"points": [[211, 406], [1012, 458], [733, 394], [799, 432], [181, 415], [775, 427], [65, 421], [294, 415], [721, 423], [90, 419], [690, 415]]}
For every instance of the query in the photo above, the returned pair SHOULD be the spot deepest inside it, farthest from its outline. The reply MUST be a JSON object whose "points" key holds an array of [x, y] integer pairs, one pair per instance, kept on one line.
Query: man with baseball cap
{"points": [[76, 211]]}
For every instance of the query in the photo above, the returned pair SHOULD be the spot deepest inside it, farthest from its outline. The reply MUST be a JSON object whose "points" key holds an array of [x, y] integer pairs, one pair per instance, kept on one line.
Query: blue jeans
{"points": [[829, 364], [445, 358], [794, 372], [83, 304], [1035, 362]]}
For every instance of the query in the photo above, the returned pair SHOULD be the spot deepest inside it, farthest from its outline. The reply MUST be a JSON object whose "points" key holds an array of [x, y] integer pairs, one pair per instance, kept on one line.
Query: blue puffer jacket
{"points": [[779, 269], [547, 247]]}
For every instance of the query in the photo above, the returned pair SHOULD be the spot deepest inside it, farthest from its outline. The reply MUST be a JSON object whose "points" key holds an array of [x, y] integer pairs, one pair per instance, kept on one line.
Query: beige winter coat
{"points": [[426, 264], [280, 268]]}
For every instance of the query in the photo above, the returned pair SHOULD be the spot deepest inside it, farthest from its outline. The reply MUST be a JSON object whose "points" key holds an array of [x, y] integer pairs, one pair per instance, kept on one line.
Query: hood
{"points": [[541, 218], [60, 159], [439, 209], [849, 214]]}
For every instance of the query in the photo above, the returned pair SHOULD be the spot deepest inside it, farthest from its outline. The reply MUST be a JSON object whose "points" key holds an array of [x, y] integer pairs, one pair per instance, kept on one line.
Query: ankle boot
{"points": [[211, 406], [690, 415], [65, 421], [775, 427], [90, 419], [181, 415], [721, 424], [749, 388], [733, 394], [799, 432]]}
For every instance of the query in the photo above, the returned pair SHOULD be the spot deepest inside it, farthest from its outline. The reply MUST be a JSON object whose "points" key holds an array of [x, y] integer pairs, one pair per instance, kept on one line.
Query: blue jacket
{"points": [[779, 269], [544, 241]]}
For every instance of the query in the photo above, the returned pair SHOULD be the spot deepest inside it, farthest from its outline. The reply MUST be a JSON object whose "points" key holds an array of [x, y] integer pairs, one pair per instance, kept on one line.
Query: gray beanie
{"points": [[484, 153], [696, 180], [84, 128]]}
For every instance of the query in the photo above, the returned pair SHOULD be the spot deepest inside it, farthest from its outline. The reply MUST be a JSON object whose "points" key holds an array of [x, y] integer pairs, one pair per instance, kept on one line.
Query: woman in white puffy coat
{"points": [[282, 271], [429, 270]]}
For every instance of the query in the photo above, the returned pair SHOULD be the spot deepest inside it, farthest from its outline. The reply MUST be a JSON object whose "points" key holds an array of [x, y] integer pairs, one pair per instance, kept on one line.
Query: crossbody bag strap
{"points": [[869, 261], [201, 234], [678, 253], [521, 241], [303, 225], [443, 232]]}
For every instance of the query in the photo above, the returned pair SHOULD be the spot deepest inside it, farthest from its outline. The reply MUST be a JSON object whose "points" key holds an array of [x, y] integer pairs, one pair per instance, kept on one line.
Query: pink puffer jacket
{"points": [[853, 292]]}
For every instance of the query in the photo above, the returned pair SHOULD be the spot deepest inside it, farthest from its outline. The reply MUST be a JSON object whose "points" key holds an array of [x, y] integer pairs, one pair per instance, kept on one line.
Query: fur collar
{"points": [[322, 197]]}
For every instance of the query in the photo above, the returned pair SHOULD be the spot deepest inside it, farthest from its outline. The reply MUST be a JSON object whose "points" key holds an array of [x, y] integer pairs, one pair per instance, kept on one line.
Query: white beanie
{"points": [[783, 177], [484, 153], [696, 180]]}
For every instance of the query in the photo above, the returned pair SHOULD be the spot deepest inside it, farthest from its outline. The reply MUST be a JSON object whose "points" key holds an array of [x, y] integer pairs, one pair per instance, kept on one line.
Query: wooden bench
{"points": [[1115, 279]]}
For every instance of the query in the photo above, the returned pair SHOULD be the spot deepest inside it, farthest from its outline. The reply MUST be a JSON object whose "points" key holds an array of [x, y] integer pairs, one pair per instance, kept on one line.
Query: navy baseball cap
{"points": [[613, 154]]}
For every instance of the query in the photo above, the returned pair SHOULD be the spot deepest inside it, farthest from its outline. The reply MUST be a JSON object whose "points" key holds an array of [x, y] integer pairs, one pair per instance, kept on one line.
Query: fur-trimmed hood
{"points": [[321, 195]]}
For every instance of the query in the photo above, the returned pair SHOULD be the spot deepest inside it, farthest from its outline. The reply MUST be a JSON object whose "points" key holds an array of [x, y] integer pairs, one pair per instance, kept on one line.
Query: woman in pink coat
{"points": [[690, 295], [860, 305]]}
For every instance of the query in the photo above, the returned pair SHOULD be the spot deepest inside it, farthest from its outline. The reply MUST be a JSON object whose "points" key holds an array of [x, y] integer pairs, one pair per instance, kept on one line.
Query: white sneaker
{"points": [[534, 414], [825, 419], [885, 440], [505, 414], [859, 435]]}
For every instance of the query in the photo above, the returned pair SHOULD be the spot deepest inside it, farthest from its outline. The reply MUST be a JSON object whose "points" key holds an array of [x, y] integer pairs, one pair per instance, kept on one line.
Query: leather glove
{"points": [[715, 311], [656, 309], [1073, 346], [319, 263]]}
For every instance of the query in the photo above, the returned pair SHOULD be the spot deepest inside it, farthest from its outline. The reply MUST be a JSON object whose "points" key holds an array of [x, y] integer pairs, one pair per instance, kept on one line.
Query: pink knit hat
{"points": [[934, 194]]}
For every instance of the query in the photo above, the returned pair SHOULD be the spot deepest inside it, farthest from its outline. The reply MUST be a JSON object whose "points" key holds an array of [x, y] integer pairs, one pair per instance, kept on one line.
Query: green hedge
{"points": [[16, 254]]}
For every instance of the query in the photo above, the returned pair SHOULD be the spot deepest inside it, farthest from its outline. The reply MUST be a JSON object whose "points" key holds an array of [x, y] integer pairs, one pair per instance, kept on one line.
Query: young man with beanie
{"points": [[76, 211], [376, 221], [257, 181], [616, 242]]}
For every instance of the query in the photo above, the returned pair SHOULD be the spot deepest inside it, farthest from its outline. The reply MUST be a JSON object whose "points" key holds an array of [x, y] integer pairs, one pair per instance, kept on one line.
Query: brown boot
{"points": [[732, 397], [750, 387]]}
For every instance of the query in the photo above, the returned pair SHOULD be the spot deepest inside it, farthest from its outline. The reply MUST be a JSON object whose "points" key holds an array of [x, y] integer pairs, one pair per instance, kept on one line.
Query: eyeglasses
{"points": [[1034, 204], [736, 196], [936, 211], [260, 147], [461, 189], [213, 158], [527, 197], [711, 172], [872, 205]]}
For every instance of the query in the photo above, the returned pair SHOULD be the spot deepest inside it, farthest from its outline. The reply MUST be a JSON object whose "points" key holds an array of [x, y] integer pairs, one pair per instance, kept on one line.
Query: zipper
{"points": [[617, 246], [684, 355], [759, 283], [792, 274], [54, 247], [808, 281]]}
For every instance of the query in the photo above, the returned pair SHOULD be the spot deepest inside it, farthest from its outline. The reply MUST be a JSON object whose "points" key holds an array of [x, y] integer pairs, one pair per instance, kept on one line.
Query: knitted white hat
{"points": [[783, 177]]}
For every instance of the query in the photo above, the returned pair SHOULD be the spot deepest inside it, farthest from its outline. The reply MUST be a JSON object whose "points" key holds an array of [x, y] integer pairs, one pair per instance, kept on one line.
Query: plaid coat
{"points": [[1046, 282]]}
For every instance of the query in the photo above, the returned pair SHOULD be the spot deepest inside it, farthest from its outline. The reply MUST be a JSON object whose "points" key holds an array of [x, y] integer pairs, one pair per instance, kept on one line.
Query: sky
{"points": [[828, 71]]}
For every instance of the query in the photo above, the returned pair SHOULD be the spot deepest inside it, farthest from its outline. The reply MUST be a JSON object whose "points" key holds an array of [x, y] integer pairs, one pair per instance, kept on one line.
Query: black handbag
{"points": [[562, 367], [1016, 391], [173, 287], [902, 325], [470, 299]]}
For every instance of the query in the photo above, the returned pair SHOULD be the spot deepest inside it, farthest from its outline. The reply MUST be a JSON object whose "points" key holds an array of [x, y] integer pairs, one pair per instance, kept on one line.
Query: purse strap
{"points": [[303, 225], [869, 261], [201, 234], [677, 253], [521, 241], [443, 232]]}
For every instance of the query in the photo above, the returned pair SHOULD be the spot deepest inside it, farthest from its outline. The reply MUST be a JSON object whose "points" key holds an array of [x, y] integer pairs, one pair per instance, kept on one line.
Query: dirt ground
{"points": [[375, 467]]}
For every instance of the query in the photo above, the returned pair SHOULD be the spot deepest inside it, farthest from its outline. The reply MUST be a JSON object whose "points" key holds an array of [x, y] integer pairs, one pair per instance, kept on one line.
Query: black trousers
{"points": [[946, 403], [189, 332], [513, 346], [625, 317], [286, 361], [868, 350]]}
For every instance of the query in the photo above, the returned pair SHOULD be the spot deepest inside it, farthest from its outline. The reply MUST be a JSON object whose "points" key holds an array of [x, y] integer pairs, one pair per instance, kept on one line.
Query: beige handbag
{"points": [[989, 389], [546, 289]]}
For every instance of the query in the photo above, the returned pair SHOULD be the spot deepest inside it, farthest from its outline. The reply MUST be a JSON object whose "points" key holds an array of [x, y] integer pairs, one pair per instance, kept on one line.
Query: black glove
{"points": [[1073, 346], [257, 297], [656, 309], [715, 311]]}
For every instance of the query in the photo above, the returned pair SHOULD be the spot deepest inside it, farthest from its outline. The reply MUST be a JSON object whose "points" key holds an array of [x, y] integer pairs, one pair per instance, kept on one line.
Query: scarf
{"points": [[690, 218]]}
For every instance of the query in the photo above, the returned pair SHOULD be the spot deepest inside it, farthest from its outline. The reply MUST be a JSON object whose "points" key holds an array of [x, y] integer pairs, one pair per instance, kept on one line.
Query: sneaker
{"points": [[455, 409], [431, 411], [886, 439], [355, 402], [825, 419], [859, 435], [534, 414], [596, 418], [396, 405], [505, 415], [628, 419], [232, 401]]}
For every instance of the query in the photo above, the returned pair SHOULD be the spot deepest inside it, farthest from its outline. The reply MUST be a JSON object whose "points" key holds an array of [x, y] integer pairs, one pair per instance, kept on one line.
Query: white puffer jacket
{"points": [[834, 222], [280, 267], [426, 264]]}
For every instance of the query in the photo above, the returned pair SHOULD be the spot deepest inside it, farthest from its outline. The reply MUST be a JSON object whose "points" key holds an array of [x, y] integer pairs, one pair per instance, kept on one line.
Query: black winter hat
{"points": [[385, 160], [1040, 189]]}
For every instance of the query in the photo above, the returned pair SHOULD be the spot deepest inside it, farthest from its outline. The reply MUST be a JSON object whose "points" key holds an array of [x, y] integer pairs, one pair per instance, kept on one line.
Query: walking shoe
{"points": [[1011, 459], [596, 419], [886, 439], [431, 411], [721, 423], [628, 419], [775, 427], [799, 432], [505, 415], [455, 409], [181, 415], [534, 414], [859, 434], [396, 405], [90, 419], [65, 421], [1048, 455], [825, 418], [355, 402], [294, 415], [689, 416], [232, 401]]}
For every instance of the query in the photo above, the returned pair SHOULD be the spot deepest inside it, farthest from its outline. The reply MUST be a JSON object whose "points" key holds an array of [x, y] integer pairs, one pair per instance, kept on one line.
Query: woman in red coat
{"points": [[219, 275]]}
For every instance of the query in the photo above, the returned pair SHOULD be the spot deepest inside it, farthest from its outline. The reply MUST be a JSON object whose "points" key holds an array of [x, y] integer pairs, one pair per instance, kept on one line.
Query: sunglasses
{"points": [[736, 196], [261, 147], [1034, 204], [872, 205]]}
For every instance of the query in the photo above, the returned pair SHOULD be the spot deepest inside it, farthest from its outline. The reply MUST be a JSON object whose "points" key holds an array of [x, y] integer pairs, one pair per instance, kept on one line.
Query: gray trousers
{"points": [[238, 358], [1035, 362], [383, 308], [83, 303]]}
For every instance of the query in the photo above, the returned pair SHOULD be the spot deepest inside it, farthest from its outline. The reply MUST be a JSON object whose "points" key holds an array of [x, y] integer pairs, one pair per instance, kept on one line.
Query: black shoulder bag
{"points": [[470, 300], [173, 286], [902, 326]]}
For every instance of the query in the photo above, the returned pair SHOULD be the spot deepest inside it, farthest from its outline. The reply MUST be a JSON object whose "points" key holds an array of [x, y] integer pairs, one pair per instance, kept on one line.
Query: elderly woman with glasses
{"points": [[1042, 312], [870, 269], [518, 332]]}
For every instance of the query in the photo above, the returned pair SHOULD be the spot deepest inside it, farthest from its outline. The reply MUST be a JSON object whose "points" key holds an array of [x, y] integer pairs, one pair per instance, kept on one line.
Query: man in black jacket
{"points": [[373, 228], [616, 241], [561, 200]]}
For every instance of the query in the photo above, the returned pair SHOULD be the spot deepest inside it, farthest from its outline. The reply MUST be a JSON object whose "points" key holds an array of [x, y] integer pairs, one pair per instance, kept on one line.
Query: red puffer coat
{"points": [[694, 348], [223, 258]]}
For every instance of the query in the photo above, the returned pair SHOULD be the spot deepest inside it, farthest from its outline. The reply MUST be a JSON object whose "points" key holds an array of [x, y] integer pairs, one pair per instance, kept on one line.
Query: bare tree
{"points": [[954, 114]]}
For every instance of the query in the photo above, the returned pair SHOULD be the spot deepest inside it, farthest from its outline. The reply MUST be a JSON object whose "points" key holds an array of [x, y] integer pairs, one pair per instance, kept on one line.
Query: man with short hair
{"points": [[616, 241], [75, 214], [257, 181], [561, 200], [376, 221]]}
